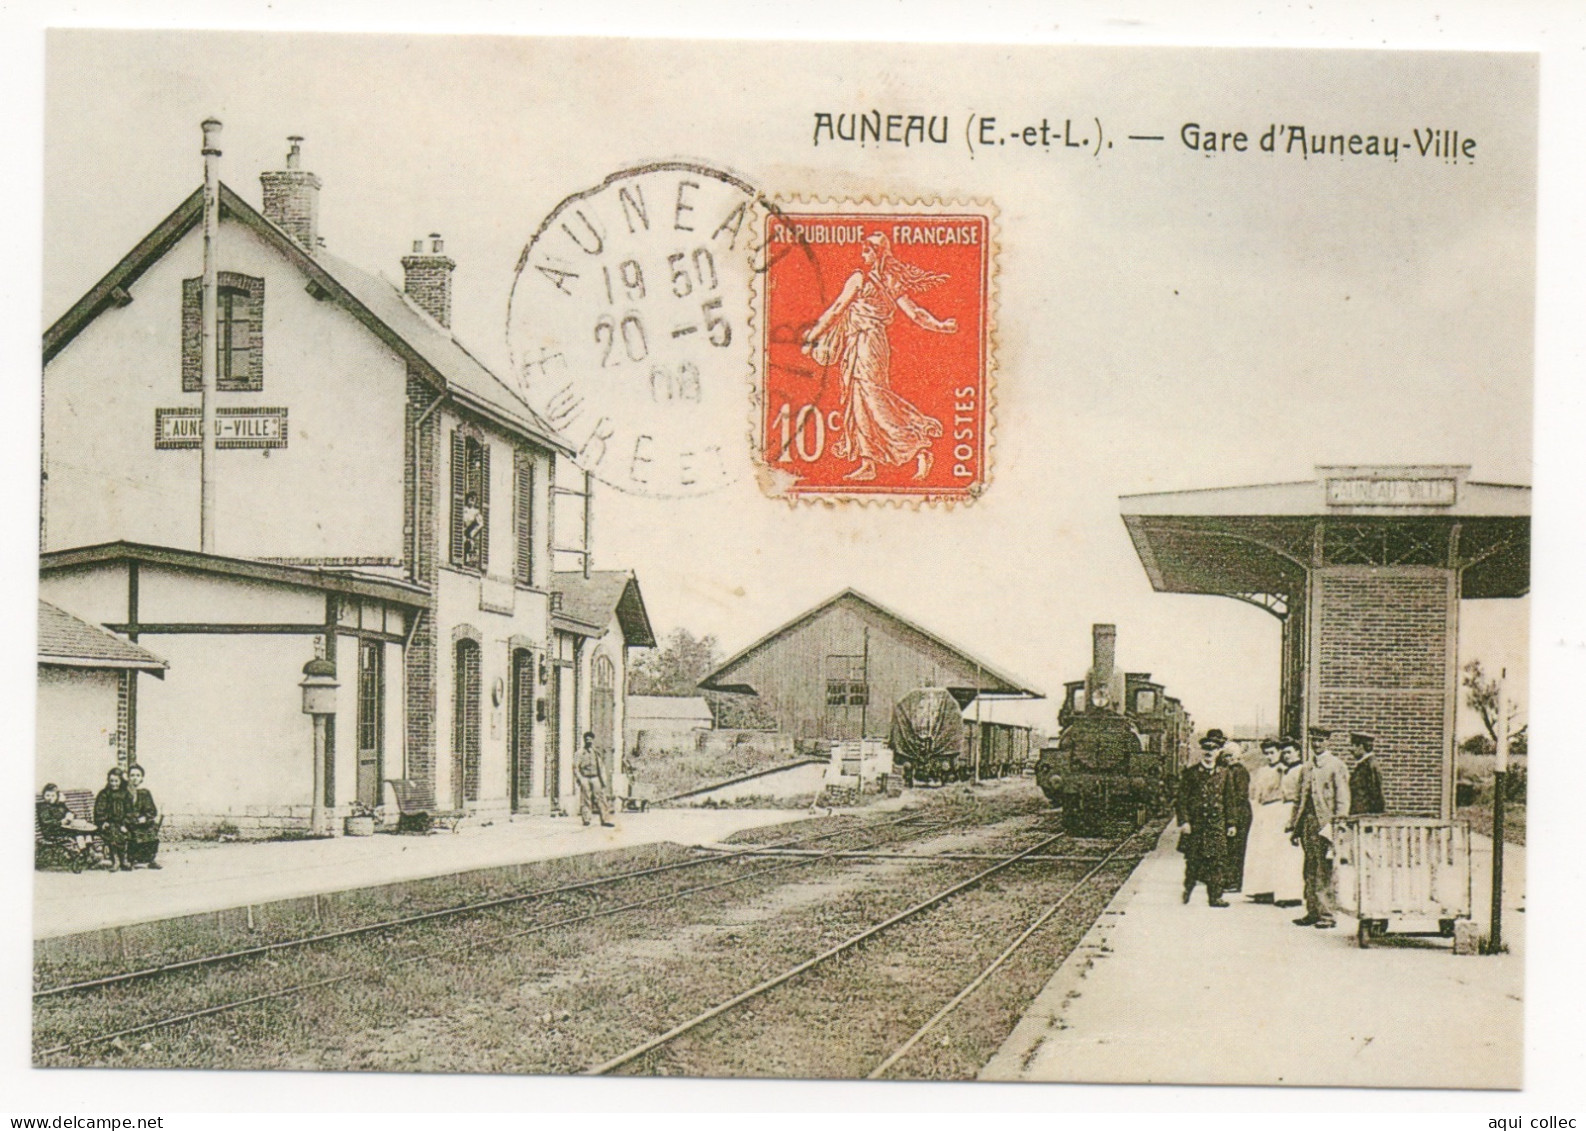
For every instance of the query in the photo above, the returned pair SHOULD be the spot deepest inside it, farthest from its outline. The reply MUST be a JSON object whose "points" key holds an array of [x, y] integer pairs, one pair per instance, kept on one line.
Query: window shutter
{"points": [[484, 506], [523, 476], [459, 492], [192, 334], [255, 369]]}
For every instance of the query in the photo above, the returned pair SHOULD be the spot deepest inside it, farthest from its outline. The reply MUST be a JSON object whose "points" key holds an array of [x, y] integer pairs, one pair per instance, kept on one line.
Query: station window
{"points": [[470, 542], [845, 682], [239, 333]]}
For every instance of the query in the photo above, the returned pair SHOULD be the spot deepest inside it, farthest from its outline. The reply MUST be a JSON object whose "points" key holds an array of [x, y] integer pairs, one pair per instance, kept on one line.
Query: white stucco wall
{"points": [[76, 726], [344, 392]]}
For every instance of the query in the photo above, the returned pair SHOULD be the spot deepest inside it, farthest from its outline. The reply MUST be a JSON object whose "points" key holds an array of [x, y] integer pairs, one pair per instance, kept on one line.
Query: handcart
{"points": [[1410, 875]]}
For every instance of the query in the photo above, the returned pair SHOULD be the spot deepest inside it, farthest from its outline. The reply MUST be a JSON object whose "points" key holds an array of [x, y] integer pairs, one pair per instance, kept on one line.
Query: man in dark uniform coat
{"points": [[1365, 780], [1204, 825], [1239, 816]]}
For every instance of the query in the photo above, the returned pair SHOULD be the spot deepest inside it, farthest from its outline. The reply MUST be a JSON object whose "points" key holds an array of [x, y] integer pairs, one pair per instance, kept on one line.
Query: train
{"points": [[1121, 743]]}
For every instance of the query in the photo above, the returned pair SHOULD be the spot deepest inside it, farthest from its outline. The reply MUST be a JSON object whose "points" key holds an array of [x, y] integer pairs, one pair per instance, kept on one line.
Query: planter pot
{"points": [[359, 826]]}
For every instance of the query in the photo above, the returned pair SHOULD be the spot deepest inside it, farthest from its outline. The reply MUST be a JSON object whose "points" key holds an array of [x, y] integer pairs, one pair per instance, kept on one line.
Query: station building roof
{"points": [[1236, 541], [587, 604]]}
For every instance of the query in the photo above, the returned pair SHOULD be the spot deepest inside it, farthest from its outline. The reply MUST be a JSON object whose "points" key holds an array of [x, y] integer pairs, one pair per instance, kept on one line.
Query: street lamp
{"points": [[319, 699]]}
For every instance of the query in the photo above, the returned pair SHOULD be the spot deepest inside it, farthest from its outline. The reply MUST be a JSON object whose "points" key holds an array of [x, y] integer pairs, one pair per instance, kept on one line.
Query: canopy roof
{"points": [[1240, 541]]}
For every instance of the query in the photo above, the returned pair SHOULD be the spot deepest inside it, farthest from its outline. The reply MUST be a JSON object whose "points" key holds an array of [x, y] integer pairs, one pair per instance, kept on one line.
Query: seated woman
{"points": [[112, 813], [143, 824]]}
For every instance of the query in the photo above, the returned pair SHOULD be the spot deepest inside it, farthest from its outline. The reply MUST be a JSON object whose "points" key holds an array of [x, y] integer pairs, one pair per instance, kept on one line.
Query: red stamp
{"points": [[876, 352]]}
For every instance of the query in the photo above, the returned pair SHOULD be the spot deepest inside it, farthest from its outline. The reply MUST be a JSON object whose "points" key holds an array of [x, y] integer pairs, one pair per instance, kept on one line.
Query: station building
{"points": [[835, 672], [1365, 567], [382, 500]]}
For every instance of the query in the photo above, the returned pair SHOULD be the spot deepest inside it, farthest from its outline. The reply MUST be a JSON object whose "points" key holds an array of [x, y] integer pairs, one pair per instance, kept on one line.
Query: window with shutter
{"points": [[239, 338], [523, 515], [470, 526], [459, 467]]}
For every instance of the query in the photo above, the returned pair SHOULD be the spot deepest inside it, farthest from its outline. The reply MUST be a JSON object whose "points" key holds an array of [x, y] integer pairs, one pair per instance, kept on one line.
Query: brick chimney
{"points": [[291, 199], [427, 279]]}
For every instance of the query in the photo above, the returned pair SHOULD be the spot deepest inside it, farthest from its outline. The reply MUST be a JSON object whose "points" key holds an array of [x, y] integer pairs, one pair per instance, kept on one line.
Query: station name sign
{"points": [[177, 428], [1365, 492]]}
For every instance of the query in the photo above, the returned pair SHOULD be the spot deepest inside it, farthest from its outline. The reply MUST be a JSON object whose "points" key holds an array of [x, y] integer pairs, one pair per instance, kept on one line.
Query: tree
{"points": [[676, 667], [1481, 696]]}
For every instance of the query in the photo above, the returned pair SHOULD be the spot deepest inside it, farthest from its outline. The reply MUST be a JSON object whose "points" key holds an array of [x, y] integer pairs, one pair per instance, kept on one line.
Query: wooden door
{"points": [[520, 768], [371, 720]]}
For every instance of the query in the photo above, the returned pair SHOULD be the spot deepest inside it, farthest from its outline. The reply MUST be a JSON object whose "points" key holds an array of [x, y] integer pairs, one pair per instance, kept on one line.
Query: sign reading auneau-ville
{"points": [[234, 428]]}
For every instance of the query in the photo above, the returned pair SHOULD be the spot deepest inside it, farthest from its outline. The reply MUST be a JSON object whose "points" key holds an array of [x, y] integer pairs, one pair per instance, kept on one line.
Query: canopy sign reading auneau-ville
{"points": [[1374, 492], [234, 428]]}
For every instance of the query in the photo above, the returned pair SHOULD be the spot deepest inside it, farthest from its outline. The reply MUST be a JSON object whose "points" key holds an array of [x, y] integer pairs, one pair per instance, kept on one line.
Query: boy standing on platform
{"points": [[1365, 780]]}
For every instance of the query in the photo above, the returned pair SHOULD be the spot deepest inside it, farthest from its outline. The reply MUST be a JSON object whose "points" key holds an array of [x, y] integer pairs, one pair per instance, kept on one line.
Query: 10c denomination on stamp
{"points": [[876, 375]]}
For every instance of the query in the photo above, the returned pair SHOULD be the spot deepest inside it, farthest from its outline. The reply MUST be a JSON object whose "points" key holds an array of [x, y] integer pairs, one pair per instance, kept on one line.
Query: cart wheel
{"points": [[1363, 934], [1445, 927], [77, 863]]}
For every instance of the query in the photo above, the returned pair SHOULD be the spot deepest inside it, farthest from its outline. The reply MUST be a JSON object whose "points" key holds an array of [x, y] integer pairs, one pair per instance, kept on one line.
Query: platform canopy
{"points": [[1258, 543]]}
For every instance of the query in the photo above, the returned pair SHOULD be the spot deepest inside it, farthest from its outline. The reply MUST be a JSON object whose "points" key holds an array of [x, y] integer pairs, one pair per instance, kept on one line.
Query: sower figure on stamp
{"points": [[878, 424], [1365, 780], [1239, 814], [593, 789], [1324, 798], [1203, 822]]}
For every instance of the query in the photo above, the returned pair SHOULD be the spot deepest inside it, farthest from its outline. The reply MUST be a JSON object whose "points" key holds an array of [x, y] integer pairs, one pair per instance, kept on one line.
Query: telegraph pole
{"points": [[1499, 780]]}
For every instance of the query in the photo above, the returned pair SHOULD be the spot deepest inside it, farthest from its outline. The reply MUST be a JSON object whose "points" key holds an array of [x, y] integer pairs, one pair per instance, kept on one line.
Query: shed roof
{"points": [[67, 641], [377, 303], [992, 682], [589, 603]]}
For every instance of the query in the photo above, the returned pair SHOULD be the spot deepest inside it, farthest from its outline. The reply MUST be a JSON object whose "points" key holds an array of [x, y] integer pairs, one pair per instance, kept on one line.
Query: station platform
{"points": [[1166, 993], [200, 876]]}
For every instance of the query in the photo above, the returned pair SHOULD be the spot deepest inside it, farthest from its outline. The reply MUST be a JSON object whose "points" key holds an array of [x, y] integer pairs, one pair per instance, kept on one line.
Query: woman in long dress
{"points": [[1290, 882], [1268, 841], [879, 426]]}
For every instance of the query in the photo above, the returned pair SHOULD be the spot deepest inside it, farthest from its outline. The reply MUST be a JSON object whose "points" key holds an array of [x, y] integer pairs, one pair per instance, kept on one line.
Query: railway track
{"points": [[383, 966], [476, 907], [887, 1063]]}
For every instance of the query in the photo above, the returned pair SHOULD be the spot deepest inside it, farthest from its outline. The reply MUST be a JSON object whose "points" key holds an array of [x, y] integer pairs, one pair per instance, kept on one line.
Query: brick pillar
{"points": [[1383, 660]]}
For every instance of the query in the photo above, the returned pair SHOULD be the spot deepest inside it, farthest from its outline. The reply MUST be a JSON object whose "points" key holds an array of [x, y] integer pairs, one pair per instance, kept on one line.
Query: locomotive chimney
{"points": [[1104, 650]]}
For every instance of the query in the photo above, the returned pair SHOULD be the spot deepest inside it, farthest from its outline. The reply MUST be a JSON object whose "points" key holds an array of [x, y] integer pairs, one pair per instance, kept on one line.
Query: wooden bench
{"points": [[418, 815]]}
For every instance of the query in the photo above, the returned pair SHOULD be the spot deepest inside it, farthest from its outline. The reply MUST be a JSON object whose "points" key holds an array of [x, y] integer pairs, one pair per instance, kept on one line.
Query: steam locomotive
{"points": [[1121, 743]]}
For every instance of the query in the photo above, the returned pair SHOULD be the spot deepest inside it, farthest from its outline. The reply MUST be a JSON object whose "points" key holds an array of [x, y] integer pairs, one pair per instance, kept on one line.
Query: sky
{"points": [[1166, 318]]}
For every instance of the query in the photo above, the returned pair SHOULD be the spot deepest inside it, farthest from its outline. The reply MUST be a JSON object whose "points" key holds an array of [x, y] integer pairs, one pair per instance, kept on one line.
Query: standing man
{"points": [[1204, 824], [1239, 813], [1323, 799], [593, 788], [1365, 780]]}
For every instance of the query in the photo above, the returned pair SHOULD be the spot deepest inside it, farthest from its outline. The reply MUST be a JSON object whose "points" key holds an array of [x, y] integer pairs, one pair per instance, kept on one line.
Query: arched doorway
{"points": [[465, 726]]}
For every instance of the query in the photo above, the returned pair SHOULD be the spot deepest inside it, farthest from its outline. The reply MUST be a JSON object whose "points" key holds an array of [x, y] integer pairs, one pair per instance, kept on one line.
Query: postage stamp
{"points": [[876, 354]]}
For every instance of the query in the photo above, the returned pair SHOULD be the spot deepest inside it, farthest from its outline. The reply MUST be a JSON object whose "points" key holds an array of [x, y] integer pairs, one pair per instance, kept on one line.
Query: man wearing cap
{"points": [[1365, 780], [1323, 799], [1204, 822]]}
